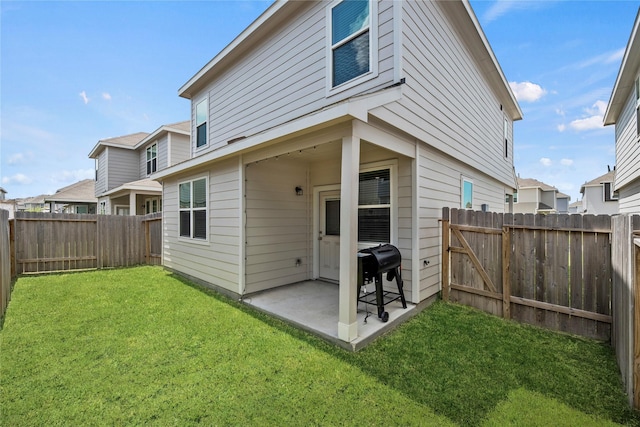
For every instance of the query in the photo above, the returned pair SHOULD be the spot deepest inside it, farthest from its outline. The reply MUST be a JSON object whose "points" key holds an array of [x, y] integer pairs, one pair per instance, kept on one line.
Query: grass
{"points": [[140, 346]]}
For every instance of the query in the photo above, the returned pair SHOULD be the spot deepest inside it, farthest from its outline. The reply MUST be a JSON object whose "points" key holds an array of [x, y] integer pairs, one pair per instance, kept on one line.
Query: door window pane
{"points": [[332, 217]]}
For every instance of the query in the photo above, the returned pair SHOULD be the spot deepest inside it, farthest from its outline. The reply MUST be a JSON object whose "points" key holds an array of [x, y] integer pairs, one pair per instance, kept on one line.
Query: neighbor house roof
{"points": [[79, 192], [607, 177], [534, 183], [142, 185], [135, 140], [626, 75], [563, 196], [125, 141]]}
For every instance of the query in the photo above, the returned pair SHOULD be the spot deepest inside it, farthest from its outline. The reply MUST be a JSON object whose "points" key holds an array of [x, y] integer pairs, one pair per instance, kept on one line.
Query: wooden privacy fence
{"points": [[64, 242], [552, 271], [625, 304], [5, 262]]}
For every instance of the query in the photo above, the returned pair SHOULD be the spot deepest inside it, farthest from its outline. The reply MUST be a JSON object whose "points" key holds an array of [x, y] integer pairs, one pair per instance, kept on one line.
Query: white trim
{"points": [[415, 229], [242, 257], [169, 149], [373, 50], [398, 39]]}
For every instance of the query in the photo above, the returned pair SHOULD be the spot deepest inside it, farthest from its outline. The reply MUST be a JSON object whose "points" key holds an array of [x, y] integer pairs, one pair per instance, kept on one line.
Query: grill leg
{"points": [[399, 282], [380, 299]]}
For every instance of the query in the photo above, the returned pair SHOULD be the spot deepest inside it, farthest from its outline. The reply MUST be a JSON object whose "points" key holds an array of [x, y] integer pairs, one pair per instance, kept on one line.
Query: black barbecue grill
{"points": [[373, 263]]}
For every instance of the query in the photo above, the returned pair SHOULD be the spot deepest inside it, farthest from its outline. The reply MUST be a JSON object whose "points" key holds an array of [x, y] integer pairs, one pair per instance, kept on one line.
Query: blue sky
{"points": [[72, 73]]}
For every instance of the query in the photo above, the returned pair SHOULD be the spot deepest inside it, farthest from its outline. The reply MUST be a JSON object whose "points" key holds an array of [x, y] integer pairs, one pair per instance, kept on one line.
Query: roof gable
{"points": [[626, 76]]}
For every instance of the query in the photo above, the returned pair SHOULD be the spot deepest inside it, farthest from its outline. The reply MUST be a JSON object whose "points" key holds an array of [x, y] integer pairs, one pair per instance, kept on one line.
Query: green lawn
{"points": [[140, 346]]}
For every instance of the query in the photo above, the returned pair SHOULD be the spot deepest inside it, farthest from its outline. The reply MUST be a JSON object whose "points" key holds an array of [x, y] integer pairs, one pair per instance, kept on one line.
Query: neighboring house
{"points": [[535, 197], [32, 204], [124, 165], [562, 203], [623, 111], [576, 207], [77, 198], [327, 127], [3, 193], [598, 196]]}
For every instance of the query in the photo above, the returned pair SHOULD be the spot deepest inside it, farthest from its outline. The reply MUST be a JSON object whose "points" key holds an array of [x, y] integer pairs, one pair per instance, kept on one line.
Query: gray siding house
{"points": [[623, 111], [124, 165], [598, 195], [535, 197], [328, 127]]}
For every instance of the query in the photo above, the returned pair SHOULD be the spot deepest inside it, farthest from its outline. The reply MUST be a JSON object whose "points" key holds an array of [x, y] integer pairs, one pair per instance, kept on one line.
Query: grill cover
{"points": [[380, 259]]}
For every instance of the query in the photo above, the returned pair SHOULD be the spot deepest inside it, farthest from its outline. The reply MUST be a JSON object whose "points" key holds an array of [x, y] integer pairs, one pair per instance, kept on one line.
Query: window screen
{"points": [[350, 40]]}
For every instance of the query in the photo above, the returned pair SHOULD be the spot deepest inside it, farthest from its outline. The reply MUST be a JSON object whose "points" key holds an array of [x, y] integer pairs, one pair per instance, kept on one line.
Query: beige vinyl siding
{"points": [[630, 198], [439, 186], [101, 179], [277, 224], [122, 167], [627, 145], [179, 148], [215, 261], [283, 78], [447, 102]]}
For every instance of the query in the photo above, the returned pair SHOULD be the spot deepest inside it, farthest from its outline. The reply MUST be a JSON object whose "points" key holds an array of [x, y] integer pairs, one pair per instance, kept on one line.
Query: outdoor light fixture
{"points": [[299, 191]]}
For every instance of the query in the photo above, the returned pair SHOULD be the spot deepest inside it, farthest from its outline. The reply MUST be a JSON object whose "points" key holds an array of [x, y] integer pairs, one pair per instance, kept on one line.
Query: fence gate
{"points": [[552, 271]]}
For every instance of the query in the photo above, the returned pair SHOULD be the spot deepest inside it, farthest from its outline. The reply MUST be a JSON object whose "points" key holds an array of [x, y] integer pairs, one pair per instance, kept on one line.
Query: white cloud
{"points": [[18, 178], [566, 162], [84, 97], [70, 176], [19, 158], [545, 161], [527, 91], [106, 96], [562, 127], [594, 120]]}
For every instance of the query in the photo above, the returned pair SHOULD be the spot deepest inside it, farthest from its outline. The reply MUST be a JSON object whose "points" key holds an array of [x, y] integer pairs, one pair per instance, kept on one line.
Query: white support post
{"points": [[132, 204], [347, 320]]}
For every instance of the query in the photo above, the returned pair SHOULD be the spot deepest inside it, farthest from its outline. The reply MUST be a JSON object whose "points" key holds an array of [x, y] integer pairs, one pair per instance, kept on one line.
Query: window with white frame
{"points": [[467, 193], [637, 86], [193, 208], [505, 137], [152, 159], [202, 112], [374, 206], [609, 194], [103, 208], [351, 40]]}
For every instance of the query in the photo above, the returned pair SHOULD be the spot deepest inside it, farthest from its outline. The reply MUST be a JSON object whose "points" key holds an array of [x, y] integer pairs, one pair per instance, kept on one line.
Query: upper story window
{"points": [[193, 208], [637, 87], [505, 137], [351, 40], [609, 194], [202, 112], [152, 159]]}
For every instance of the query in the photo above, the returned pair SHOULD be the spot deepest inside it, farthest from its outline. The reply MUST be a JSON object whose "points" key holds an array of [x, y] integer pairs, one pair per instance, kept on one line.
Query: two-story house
{"points": [[623, 111], [598, 195], [535, 197], [124, 165], [328, 127]]}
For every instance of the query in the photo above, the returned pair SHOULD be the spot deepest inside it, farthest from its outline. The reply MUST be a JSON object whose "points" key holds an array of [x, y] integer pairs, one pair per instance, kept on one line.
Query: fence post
{"points": [[446, 256], [147, 241], [506, 282]]}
